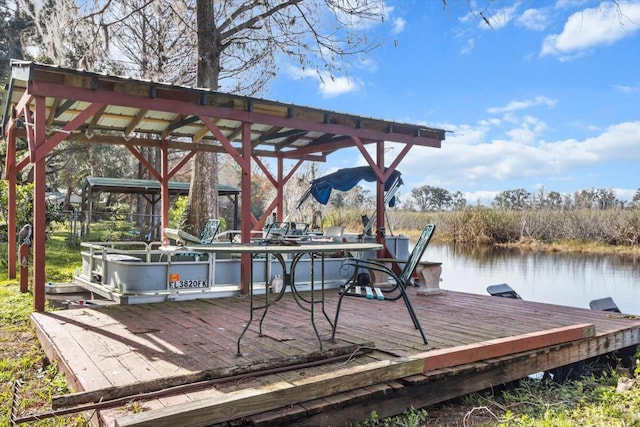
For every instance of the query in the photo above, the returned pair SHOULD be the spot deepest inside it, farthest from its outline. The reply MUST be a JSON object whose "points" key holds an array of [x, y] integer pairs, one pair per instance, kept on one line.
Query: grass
{"points": [[591, 400], [23, 359]]}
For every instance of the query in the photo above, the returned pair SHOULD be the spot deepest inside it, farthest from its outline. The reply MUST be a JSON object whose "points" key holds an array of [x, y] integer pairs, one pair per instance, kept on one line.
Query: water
{"points": [[550, 277]]}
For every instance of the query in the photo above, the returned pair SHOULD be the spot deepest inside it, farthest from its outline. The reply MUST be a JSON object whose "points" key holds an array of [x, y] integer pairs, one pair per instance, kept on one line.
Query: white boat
{"points": [[139, 272]]}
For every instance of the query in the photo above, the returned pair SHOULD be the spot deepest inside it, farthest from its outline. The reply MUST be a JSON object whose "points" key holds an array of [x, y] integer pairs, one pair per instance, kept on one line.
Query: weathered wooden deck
{"points": [[148, 347]]}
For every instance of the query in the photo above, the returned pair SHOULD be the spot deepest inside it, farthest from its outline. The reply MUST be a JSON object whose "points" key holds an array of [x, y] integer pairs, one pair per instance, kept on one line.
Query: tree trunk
{"points": [[203, 194]]}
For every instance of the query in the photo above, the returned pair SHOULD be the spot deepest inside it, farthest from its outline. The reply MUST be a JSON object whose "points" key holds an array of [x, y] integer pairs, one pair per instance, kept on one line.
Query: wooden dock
{"points": [[379, 361]]}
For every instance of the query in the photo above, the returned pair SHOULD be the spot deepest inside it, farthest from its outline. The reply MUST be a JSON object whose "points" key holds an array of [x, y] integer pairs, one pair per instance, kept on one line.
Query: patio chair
{"points": [[207, 235], [331, 234], [285, 230], [335, 231], [357, 286], [275, 229]]}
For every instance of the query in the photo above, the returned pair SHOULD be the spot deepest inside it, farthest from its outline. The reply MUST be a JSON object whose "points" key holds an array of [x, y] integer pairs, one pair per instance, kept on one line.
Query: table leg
{"points": [[289, 279], [285, 281], [326, 316], [267, 304], [313, 301], [239, 353]]}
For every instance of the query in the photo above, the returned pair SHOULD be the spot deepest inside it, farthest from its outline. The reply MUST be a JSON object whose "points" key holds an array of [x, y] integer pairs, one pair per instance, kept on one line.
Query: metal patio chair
{"points": [[357, 285]]}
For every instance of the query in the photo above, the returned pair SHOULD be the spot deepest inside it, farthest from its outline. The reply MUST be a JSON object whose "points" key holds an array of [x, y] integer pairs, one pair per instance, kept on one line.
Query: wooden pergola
{"points": [[47, 104]]}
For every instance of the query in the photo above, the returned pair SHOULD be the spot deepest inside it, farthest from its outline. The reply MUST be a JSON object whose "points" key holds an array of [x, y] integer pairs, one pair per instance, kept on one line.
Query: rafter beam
{"points": [[133, 124]]}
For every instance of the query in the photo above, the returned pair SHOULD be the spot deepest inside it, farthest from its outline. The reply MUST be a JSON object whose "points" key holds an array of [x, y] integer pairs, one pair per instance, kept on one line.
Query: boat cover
{"points": [[346, 179]]}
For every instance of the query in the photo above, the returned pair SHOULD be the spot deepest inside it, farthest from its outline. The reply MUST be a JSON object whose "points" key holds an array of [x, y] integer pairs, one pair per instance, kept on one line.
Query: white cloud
{"points": [[528, 131], [520, 105], [468, 47], [480, 197], [533, 19], [333, 86], [618, 142], [329, 86], [628, 88], [475, 161], [603, 25], [398, 25]]}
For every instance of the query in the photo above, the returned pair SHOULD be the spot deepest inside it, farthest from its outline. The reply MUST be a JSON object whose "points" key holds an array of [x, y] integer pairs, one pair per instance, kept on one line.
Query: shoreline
{"points": [[535, 245]]}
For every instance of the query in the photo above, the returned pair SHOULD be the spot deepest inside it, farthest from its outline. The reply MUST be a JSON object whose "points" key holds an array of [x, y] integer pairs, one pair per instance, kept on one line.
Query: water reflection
{"points": [[550, 277]]}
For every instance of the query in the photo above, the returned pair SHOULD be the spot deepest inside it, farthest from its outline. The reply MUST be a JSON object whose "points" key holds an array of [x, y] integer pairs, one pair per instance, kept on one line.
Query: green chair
{"points": [[357, 285], [285, 229], [207, 235]]}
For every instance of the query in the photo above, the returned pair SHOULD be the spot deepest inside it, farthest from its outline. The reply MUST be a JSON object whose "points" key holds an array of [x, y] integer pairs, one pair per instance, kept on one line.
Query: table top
{"points": [[284, 247]]}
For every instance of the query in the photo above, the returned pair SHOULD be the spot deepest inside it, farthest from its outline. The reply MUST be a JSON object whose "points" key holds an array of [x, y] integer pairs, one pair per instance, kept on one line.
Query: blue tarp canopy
{"points": [[346, 179]]}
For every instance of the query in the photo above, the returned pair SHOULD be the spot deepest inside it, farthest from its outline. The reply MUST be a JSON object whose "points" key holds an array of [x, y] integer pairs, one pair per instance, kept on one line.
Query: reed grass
{"points": [[611, 230]]}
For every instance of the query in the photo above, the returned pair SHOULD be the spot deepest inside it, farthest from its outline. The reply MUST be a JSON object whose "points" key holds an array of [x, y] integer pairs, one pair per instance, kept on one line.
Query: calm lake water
{"points": [[556, 278]]}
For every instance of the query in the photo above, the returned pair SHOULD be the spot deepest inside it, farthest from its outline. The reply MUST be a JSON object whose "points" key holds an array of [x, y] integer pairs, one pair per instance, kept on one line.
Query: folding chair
{"points": [[356, 287], [209, 231]]}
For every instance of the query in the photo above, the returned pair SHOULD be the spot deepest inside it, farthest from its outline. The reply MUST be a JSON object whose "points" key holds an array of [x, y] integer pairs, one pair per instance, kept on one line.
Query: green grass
{"points": [[61, 260], [590, 400], [22, 357]]}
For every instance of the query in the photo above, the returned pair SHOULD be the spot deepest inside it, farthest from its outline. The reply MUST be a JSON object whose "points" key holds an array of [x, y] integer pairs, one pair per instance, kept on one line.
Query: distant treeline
{"points": [[429, 198], [479, 224]]}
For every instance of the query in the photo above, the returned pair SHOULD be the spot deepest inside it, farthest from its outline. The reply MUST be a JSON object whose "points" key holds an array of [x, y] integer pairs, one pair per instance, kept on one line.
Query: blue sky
{"points": [[547, 97]]}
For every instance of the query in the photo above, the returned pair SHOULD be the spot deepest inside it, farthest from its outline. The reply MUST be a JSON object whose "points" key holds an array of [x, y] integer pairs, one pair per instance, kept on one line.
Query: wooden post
{"points": [[38, 157], [380, 205], [245, 225]]}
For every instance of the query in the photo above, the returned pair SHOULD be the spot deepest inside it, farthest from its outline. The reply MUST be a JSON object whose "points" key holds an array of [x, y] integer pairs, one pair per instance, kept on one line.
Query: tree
{"points": [[458, 201], [513, 199], [60, 35], [636, 199], [155, 39], [420, 197], [583, 199], [554, 200], [595, 198], [606, 199], [430, 198], [12, 23]]}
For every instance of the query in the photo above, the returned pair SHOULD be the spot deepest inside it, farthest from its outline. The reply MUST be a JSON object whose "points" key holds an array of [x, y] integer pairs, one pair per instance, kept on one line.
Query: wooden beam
{"points": [[255, 400], [135, 122], [94, 121], [177, 145], [61, 134], [449, 383], [250, 401], [152, 170], [311, 120], [281, 364], [460, 355]]}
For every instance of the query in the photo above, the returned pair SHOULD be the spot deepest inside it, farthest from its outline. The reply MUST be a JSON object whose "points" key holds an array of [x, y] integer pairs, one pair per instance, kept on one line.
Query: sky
{"points": [[546, 98]]}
